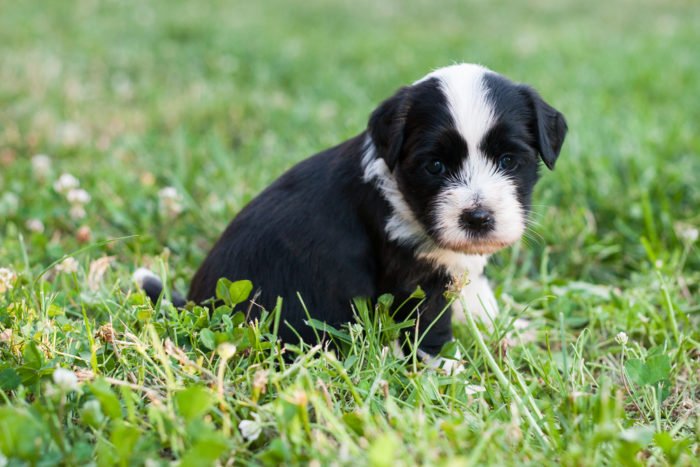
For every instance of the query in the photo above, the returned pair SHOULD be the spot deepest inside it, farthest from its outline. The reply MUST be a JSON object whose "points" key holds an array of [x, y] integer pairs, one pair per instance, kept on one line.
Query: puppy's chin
{"points": [[478, 247]]}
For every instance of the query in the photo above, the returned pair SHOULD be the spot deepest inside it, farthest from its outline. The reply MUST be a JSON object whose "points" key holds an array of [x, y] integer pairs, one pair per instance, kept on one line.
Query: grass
{"points": [[217, 99]]}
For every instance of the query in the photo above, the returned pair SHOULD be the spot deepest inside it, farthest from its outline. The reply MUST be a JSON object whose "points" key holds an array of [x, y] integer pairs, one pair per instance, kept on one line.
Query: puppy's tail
{"points": [[153, 286]]}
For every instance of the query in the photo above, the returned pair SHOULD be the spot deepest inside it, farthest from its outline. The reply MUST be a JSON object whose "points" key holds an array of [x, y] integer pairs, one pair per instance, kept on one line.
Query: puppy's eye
{"points": [[435, 167], [507, 163]]}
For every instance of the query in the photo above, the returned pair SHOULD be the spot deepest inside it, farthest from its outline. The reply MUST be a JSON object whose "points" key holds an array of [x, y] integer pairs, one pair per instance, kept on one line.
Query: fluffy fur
{"points": [[441, 178]]}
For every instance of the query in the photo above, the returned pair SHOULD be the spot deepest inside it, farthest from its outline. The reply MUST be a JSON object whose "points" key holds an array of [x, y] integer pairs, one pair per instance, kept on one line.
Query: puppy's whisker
{"points": [[532, 223], [536, 214], [534, 236]]}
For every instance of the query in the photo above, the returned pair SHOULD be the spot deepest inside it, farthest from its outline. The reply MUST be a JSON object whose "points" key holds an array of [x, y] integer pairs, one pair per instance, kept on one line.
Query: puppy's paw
{"points": [[451, 366]]}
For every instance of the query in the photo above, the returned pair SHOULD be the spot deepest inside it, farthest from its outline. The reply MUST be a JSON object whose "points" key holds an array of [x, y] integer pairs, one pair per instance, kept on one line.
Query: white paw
{"points": [[449, 366]]}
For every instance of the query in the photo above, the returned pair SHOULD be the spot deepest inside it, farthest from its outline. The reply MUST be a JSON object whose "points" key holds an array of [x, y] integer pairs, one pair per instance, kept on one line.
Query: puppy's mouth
{"points": [[483, 248], [478, 246]]}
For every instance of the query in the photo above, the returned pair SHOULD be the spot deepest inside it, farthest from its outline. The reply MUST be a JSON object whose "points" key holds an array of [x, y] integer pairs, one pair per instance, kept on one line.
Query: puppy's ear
{"points": [[386, 126], [548, 126]]}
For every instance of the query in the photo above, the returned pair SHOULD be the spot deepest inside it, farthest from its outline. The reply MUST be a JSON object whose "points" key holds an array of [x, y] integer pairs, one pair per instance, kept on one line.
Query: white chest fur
{"points": [[476, 293]]}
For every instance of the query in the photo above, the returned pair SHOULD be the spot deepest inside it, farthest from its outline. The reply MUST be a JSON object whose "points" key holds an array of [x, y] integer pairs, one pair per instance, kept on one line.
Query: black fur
{"points": [[154, 289], [320, 230]]}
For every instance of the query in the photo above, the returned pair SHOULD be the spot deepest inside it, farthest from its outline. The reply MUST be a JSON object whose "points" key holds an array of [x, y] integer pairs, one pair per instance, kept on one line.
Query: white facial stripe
{"points": [[466, 94]]}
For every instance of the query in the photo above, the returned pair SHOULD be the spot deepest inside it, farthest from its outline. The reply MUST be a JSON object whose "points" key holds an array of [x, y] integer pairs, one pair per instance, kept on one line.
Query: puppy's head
{"points": [[457, 153]]}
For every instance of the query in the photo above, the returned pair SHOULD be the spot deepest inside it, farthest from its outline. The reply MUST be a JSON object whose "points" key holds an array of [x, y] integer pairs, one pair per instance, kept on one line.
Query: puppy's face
{"points": [[457, 155]]}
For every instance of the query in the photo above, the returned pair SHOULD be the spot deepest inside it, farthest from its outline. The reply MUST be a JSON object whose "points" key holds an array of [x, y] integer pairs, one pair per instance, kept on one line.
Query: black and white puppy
{"points": [[441, 179]]}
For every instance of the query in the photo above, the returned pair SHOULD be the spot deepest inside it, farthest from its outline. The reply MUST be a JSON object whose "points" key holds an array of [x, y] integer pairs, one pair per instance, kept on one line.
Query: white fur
{"points": [[477, 294], [463, 85], [478, 299], [458, 264], [450, 366], [478, 184], [141, 274], [402, 226]]}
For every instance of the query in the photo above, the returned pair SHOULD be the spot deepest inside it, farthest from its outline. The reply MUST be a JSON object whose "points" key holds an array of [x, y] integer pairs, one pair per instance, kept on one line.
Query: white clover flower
{"points": [[77, 212], [65, 183], [68, 265], [41, 165], [91, 413], [226, 350], [69, 134], [251, 429], [93, 405], [3, 460], [621, 338], [34, 225], [688, 234], [122, 86], [170, 201], [9, 203], [65, 379], [78, 196], [7, 279], [168, 193]]}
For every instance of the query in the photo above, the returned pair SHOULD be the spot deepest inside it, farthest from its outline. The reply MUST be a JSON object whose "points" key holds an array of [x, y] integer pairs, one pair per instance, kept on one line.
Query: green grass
{"points": [[217, 99]]}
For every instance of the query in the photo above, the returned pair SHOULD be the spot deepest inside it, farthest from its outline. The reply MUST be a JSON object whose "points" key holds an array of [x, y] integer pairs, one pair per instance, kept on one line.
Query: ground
{"points": [[170, 116]]}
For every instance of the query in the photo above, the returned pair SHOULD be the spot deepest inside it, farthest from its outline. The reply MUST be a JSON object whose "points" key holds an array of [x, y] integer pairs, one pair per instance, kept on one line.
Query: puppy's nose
{"points": [[479, 220]]}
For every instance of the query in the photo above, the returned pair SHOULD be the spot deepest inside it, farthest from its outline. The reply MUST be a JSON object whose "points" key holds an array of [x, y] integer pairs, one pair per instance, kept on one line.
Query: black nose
{"points": [[478, 220]]}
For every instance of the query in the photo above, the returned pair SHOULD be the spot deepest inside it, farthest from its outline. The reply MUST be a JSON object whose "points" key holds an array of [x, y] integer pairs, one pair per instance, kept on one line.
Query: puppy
{"points": [[441, 178]]}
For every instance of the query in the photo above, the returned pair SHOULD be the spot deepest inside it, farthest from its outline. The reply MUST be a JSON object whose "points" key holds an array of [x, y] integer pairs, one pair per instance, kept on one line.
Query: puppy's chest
{"points": [[403, 270], [400, 273], [458, 266]]}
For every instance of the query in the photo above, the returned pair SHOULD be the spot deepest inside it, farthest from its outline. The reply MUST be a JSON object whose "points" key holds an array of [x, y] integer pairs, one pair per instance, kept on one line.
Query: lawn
{"points": [[132, 132]]}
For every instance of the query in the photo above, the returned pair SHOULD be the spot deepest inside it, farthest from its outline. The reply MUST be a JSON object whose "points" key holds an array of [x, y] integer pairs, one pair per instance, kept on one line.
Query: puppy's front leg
{"points": [[435, 330], [479, 300]]}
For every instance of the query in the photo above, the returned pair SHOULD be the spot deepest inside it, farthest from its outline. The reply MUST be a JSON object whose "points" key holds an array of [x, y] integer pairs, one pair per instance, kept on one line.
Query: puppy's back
{"points": [[302, 235]]}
